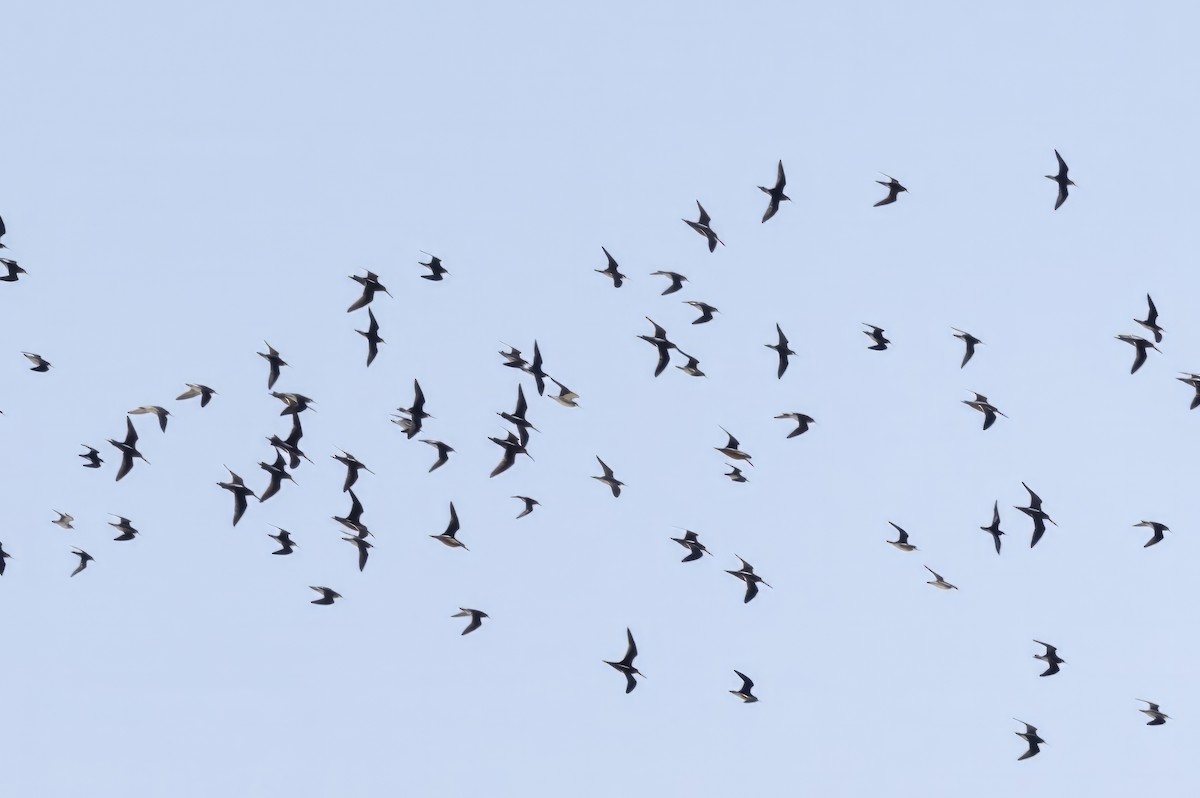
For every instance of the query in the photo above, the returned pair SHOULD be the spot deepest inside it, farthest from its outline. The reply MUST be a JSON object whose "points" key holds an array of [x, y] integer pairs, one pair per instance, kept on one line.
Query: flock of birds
{"points": [[288, 454]]}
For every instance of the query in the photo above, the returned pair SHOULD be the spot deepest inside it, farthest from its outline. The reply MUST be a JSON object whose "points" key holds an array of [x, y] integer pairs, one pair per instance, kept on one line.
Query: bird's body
{"points": [[160, 412], [363, 546], [449, 536], [1142, 346], [203, 391], [752, 580], [353, 519], [744, 692], [353, 466], [994, 529], [781, 348], [692, 367], [731, 450], [370, 286], [372, 336], [938, 582], [92, 455], [436, 269], [677, 281], [735, 474], [84, 559], [1039, 516], [1157, 718], [609, 479], [1030, 736], [1158, 530], [894, 188], [981, 403], [239, 490], [128, 449], [476, 616], [1050, 657], [1151, 320], [706, 311], [612, 270], [529, 505], [13, 270], [703, 226], [876, 335], [278, 472], [284, 539], [1062, 180], [40, 364], [328, 595], [901, 542], [275, 361], [565, 396], [443, 453], [691, 542], [775, 193], [802, 422], [660, 342], [970, 341], [4, 555], [64, 520], [124, 526], [625, 664]]}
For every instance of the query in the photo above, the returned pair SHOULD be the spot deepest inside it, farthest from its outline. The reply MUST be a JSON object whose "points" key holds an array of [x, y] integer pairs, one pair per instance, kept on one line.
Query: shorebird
{"points": [[1141, 344], [372, 336], [1156, 718], [1034, 511], [512, 446], [40, 364], [3, 230], [291, 446], [448, 537], [747, 575], [782, 350], [353, 519], [203, 391], [876, 335], [566, 397], [609, 479], [13, 270], [1061, 179], [735, 474], [536, 371], [1051, 659], [901, 542], [981, 403], [476, 621], [1158, 532], [64, 520], [272, 357], [612, 270], [160, 412], [1030, 736], [92, 455], [278, 472], [436, 269], [294, 403], [327, 595], [731, 449], [677, 281], [747, 685], [239, 490], [284, 539], [706, 310], [370, 286], [894, 188], [363, 547], [692, 368], [703, 226], [353, 466], [529, 505], [939, 583], [1151, 321], [4, 555], [625, 664], [443, 453], [994, 530], [802, 422], [775, 193], [660, 342], [691, 542], [1194, 381], [84, 559], [128, 449], [512, 358], [124, 526], [517, 417], [969, 340], [416, 413]]}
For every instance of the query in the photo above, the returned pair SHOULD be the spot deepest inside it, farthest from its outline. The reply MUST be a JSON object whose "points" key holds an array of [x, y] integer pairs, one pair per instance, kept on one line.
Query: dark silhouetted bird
{"points": [[970, 341], [353, 519], [284, 539], [363, 547], [981, 403], [278, 472], [1034, 511], [1030, 736], [239, 490], [517, 417], [1194, 381], [370, 286], [416, 414], [625, 664], [328, 595], [160, 412], [40, 364], [476, 621], [703, 226], [128, 449], [272, 357], [706, 311], [3, 230], [1051, 659], [612, 270], [512, 446], [443, 453], [13, 270], [692, 367], [4, 555], [894, 188], [372, 336], [782, 349], [436, 269], [1158, 532], [677, 281], [876, 335], [449, 536], [294, 403], [775, 193], [609, 479], [1151, 320], [203, 391], [802, 422], [938, 582], [735, 474], [291, 446], [1156, 718], [901, 542], [752, 580], [535, 370], [124, 526], [92, 455], [691, 542], [353, 466], [1062, 180], [529, 505], [660, 342], [994, 530], [84, 559], [1142, 345], [747, 685]]}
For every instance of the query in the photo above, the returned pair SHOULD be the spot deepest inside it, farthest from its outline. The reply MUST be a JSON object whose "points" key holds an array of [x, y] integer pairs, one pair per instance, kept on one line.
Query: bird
{"points": [[735, 474], [372, 336], [1156, 718], [353, 519], [84, 559], [981, 403], [278, 472], [775, 193], [1158, 532], [703, 227], [416, 413], [92, 455], [40, 364], [160, 412], [512, 446], [443, 453], [363, 548], [293, 403], [64, 520], [625, 664], [566, 397], [876, 335], [1034, 511], [939, 583], [1030, 736], [660, 342], [128, 449], [291, 445], [609, 479], [612, 270], [1194, 381], [677, 281], [691, 542], [4, 555], [517, 416], [203, 391], [1062, 180], [284, 539], [124, 526], [731, 449], [901, 542], [692, 368], [894, 188], [436, 269], [970, 341], [802, 422], [13, 270], [1151, 321], [994, 530], [782, 349], [328, 595], [529, 505], [370, 286], [513, 359], [353, 466], [535, 370], [239, 490], [1142, 345], [706, 310], [272, 357], [747, 575], [1051, 659], [448, 537], [476, 621], [3, 230], [747, 685]]}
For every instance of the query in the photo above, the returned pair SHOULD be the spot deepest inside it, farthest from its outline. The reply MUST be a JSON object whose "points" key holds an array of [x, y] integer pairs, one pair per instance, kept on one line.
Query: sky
{"points": [[185, 182]]}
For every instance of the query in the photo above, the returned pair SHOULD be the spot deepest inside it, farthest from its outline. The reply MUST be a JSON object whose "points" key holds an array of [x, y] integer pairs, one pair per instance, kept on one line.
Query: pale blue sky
{"points": [[183, 181]]}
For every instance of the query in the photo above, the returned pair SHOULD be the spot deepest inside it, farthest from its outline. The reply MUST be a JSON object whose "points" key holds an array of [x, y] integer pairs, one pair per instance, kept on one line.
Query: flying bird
{"points": [[566, 397], [970, 341], [894, 188], [284, 539], [609, 479], [239, 490], [443, 453], [535, 370], [1142, 345], [416, 413], [291, 446], [64, 520], [476, 621], [13, 270], [782, 349], [994, 529], [981, 403], [1051, 659], [1062, 180], [353, 466], [1151, 321], [512, 446], [436, 269], [706, 311], [529, 505], [625, 664], [802, 422], [731, 449], [40, 364], [1156, 718], [84, 559], [4, 555], [278, 472], [612, 270], [3, 230], [735, 474], [294, 403], [203, 391], [160, 412], [1030, 736], [775, 193], [353, 519], [660, 342], [517, 416], [370, 286], [448, 537], [92, 455], [691, 542], [939, 583], [1034, 511], [272, 357], [901, 542], [513, 359], [363, 547], [372, 336], [876, 335], [692, 367], [328, 595], [677, 281], [703, 226], [124, 526], [128, 449], [747, 575], [747, 685], [1194, 381], [1158, 532]]}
